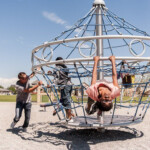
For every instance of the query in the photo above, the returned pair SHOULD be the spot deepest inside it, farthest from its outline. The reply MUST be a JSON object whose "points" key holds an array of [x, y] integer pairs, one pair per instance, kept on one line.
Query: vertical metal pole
{"points": [[99, 42]]}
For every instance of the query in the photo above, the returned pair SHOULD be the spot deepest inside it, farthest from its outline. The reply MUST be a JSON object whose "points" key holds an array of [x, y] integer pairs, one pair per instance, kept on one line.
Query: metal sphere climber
{"points": [[99, 33]]}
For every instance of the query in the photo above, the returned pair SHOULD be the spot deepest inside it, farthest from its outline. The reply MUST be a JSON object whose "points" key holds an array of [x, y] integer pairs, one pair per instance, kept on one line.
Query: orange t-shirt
{"points": [[92, 91]]}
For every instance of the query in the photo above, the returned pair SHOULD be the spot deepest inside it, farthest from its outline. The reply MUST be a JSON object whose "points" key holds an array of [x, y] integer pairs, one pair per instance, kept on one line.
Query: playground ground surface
{"points": [[44, 133]]}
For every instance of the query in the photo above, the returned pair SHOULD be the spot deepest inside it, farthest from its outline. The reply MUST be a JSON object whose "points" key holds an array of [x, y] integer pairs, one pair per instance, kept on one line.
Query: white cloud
{"points": [[6, 82], [53, 17]]}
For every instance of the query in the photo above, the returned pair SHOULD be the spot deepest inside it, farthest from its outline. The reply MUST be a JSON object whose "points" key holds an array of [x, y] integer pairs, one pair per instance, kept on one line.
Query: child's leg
{"points": [[57, 108], [69, 115], [66, 100], [27, 111], [62, 100], [99, 116], [19, 108], [94, 108], [99, 112], [89, 104]]}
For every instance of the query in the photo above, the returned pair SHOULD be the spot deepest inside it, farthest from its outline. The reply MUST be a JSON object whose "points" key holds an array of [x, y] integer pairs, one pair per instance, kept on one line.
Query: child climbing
{"points": [[61, 78]]}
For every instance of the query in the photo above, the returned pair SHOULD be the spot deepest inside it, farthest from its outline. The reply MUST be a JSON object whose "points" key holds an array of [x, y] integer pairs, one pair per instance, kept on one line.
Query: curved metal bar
{"points": [[90, 59], [91, 38], [51, 50]]}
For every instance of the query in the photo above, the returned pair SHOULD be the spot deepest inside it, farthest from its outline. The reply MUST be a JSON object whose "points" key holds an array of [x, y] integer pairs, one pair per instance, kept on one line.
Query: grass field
{"points": [[12, 98]]}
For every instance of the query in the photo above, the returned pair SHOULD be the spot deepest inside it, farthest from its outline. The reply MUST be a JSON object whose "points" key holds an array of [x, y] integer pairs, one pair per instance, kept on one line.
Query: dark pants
{"points": [[27, 110], [90, 101], [94, 105], [66, 96]]}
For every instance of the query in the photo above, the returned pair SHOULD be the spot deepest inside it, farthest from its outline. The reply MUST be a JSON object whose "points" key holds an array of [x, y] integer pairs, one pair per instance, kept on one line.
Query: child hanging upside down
{"points": [[102, 91]]}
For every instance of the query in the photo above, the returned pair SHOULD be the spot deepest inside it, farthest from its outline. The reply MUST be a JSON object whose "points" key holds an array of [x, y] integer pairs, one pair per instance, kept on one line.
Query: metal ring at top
{"points": [[50, 55], [92, 53], [133, 53]]}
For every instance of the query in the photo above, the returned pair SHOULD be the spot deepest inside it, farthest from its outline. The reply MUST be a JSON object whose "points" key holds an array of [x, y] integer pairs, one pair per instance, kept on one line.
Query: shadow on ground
{"points": [[74, 138]]}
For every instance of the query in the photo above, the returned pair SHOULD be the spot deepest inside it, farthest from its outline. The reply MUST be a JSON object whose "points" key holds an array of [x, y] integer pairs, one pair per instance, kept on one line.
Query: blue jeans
{"points": [[66, 96], [27, 110]]}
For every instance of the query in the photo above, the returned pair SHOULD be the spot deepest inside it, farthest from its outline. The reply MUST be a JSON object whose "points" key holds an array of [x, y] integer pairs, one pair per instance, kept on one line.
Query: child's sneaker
{"points": [[13, 124], [70, 120]]}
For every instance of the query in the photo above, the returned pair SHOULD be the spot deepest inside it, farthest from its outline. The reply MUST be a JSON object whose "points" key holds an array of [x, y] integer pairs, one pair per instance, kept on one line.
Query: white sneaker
{"points": [[70, 121], [13, 124]]}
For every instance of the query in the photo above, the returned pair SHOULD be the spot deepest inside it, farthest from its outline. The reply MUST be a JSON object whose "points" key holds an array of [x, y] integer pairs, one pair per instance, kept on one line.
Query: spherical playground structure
{"points": [[100, 32]]}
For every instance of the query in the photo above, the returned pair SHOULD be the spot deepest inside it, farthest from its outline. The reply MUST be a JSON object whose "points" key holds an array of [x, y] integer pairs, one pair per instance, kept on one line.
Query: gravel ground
{"points": [[45, 133]]}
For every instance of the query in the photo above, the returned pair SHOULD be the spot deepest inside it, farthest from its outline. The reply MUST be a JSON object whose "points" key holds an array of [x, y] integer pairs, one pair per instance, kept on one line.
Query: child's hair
{"points": [[105, 107], [20, 75], [62, 65], [59, 58]]}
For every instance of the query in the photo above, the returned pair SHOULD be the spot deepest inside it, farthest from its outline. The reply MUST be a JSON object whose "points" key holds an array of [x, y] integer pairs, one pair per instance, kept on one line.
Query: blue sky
{"points": [[25, 24]]}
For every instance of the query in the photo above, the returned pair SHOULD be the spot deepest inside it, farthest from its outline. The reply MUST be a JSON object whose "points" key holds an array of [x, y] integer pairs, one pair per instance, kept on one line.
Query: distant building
{"points": [[5, 92]]}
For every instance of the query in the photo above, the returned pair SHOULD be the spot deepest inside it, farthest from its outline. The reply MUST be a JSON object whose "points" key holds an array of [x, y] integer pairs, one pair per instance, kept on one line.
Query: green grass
{"points": [[45, 99], [7, 98], [126, 98], [12, 98]]}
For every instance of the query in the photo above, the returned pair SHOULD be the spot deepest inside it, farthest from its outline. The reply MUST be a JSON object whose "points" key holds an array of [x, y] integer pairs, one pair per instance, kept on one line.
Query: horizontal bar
{"points": [[90, 59], [91, 38]]}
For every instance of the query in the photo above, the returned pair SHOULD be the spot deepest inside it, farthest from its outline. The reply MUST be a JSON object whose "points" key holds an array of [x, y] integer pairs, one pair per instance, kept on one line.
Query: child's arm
{"points": [[94, 74], [114, 72], [33, 88], [31, 75], [50, 73]]}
